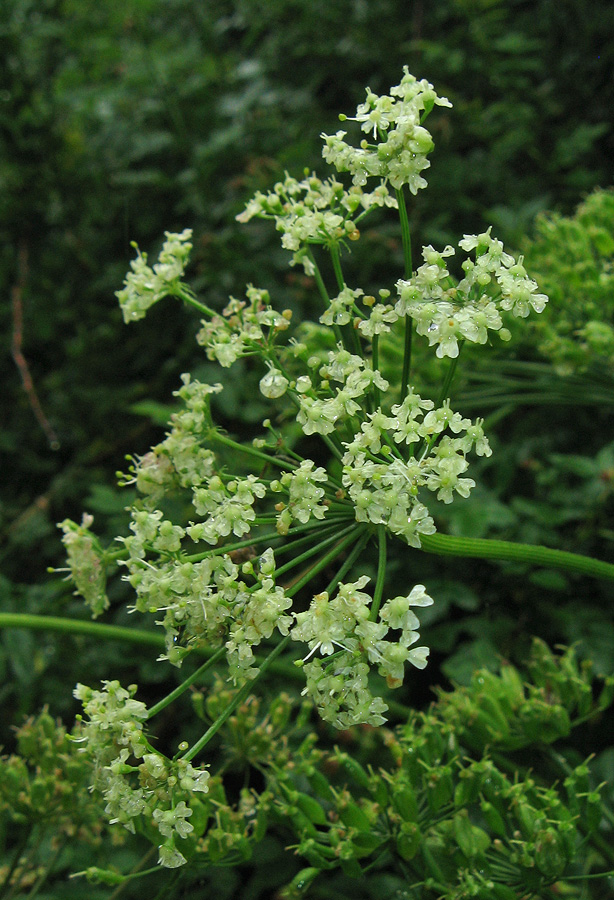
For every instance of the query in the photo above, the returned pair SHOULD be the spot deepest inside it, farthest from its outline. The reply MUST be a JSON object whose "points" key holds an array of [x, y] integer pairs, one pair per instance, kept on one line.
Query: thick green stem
{"points": [[166, 701], [78, 626], [483, 548]]}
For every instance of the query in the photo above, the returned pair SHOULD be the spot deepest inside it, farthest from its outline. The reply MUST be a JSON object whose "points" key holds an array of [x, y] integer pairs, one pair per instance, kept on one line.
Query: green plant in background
{"points": [[573, 260], [241, 548]]}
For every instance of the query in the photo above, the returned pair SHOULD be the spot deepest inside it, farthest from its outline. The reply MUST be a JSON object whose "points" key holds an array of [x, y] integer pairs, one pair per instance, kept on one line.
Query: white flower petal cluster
{"points": [[135, 781], [447, 312], [341, 628], [242, 328], [318, 414], [313, 211], [204, 603], [402, 142], [303, 486], [385, 488], [226, 508], [145, 285]]}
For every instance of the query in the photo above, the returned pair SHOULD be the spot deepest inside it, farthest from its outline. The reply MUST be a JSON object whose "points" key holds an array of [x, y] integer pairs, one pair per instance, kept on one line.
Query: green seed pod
{"points": [[493, 818], [353, 768], [502, 892], [496, 718], [301, 883], [607, 693], [316, 853], [319, 783], [594, 810], [408, 840], [353, 816], [471, 839], [311, 808], [405, 803], [440, 786], [549, 856], [529, 819]]}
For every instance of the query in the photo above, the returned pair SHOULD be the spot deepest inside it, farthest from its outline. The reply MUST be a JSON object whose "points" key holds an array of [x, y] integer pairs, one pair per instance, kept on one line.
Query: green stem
{"points": [[45, 875], [483, 548], [313, 551], [381, 573], [407, 258], [15, 861], [331, 445], [187, 297], [251, 451], [78, 626], [239, 697], [166, 701], [375, 366], [347, 565], [444, 393], [322, 563], [319, 280], [136, 872], [336, 260], [353, 341]]}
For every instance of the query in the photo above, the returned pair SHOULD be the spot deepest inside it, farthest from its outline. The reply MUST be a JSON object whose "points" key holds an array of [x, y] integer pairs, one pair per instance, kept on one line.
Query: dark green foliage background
{"points": [[121, 121]]}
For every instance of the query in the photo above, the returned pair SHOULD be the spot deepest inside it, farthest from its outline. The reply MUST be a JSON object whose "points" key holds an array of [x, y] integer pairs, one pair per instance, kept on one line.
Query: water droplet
{"points": [[432, 327]]}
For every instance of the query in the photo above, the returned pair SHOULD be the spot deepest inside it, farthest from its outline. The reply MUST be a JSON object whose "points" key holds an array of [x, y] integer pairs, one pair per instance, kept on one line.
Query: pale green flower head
{"points": [[145, 285]]}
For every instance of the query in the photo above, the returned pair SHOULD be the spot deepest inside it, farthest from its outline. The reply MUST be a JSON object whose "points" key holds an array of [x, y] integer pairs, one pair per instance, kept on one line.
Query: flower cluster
{"points": [[344, 629], [136, 781], [85, 563], [145, 285], [446, 311], [205, 603], [319, 414], [303, 486], [244, 327], [385, 446], [400, 154], [384, 485], [313, 211]]}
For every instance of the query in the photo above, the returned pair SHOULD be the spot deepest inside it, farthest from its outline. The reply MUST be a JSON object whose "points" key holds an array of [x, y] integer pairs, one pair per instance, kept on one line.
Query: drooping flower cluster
{"points": [[402, 142], [85, 563], [135, 781], [343, 629], [145, 285]]}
